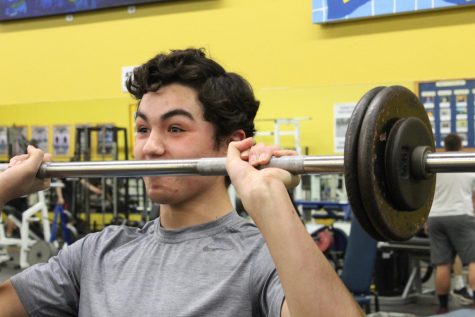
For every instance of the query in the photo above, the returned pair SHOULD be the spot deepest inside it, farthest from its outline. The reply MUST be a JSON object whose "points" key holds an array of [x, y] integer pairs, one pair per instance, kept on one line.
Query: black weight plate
{"points": [[390, 105], [407, 191], [351, 165]]}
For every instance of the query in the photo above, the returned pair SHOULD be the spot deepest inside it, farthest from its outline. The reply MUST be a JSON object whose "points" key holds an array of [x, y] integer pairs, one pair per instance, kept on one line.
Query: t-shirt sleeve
{"points": [[52, 288], [266, 289]]}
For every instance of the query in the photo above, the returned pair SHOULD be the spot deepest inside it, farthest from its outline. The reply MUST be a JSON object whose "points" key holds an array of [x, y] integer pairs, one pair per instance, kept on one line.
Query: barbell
{"points": [[389, 164]]}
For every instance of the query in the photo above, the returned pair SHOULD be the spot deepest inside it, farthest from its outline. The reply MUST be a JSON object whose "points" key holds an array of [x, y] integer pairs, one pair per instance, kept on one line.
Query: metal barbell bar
{"points": [[434, 163], [389, 164]]}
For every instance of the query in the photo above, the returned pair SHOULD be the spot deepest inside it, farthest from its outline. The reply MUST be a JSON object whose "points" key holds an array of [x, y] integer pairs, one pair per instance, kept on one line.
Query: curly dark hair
{"points": [[227, 98], [453, 142]]}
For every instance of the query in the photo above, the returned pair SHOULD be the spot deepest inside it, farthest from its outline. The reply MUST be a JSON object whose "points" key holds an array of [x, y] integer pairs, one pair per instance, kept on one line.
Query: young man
{"points": [[199, 258], [452, 226]]}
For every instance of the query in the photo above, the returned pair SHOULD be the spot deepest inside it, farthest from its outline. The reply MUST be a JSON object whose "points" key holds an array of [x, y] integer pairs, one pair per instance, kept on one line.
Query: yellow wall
{"points": [[58, 72]]}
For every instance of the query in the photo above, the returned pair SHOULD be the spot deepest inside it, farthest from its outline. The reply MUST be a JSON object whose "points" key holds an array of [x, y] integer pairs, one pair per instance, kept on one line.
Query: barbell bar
{"points": [[299, 165], [389, 164]]}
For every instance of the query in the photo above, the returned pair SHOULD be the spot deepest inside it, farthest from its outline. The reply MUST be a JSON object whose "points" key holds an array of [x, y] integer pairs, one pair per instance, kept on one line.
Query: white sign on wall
{"points": [[127, 71], [342, 114], [61, 140], [3, 140], [40, 135]]}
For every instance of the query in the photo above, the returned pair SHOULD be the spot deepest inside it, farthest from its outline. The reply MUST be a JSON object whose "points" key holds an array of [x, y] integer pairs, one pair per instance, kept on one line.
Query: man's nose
{"points": [[154, 146]]}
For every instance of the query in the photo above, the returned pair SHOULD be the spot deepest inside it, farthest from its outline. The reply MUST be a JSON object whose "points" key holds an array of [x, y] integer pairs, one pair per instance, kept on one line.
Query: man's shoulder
{"points": [[117, 235], [247, 233]]}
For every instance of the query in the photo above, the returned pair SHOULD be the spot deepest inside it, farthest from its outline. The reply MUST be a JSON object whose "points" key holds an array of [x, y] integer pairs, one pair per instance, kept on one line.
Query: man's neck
{"points": [[203, 209]]}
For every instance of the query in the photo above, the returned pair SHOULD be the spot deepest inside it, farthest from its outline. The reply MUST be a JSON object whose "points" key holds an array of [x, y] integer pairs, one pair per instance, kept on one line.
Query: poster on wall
{"points": [[22, 9], [3, 141], [39, 135], [81, 138], [17, 140], [327, 11], [105, 139], [61, 140], [341, 114], [450, 107]]}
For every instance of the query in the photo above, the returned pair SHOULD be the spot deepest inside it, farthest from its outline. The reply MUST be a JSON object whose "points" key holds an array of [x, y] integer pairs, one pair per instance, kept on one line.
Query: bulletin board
{"points": [[450, 106], [327, 11]]}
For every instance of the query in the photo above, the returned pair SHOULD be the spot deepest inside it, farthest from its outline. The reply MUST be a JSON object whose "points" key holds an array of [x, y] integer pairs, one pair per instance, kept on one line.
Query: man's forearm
{"points": [[311, 286]]}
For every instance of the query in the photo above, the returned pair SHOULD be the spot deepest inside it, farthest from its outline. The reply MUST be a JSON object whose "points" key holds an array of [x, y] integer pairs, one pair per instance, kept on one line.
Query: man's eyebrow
{"points": [[167, 115], [140, 114], [176, 112]]}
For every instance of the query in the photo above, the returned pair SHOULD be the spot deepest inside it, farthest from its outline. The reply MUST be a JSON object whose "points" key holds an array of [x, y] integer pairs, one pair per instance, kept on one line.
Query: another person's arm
{"points": [[311, 286], [59, 193], [94, 189]]}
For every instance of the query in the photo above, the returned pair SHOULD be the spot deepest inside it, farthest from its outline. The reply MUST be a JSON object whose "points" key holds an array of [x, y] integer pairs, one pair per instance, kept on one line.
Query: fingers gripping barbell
{"points": [[389, 164]]}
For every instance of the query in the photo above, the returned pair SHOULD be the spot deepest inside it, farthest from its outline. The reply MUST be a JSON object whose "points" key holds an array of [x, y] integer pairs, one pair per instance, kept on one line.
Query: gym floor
{"points": [[415, 305]]}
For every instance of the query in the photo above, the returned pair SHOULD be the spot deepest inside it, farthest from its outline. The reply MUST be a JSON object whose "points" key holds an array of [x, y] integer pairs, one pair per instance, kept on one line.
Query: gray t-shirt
{"points": [[222, 268]]}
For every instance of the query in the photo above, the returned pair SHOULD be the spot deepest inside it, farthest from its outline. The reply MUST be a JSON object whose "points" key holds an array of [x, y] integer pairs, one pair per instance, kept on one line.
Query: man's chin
{"points": [[160, 198]]}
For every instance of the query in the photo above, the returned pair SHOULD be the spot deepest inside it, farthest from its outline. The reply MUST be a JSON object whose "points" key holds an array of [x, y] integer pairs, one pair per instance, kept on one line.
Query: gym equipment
{"points": [[404, 267], [122, 194], [33, 249], [378, 132], [293, 130], [40, 252], [387, 167]]}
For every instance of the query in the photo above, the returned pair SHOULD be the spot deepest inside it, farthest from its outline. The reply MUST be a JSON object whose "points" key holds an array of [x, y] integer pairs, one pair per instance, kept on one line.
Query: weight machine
{"points": [[33, 248]]}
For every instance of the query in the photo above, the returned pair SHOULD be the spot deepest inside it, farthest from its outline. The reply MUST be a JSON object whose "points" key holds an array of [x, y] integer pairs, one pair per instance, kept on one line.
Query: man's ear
{"points": [[238, 135]]}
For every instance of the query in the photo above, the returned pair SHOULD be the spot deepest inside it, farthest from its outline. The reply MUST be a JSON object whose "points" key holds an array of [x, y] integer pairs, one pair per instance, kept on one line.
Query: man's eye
{"points": [[175, 129], [142, 130]]}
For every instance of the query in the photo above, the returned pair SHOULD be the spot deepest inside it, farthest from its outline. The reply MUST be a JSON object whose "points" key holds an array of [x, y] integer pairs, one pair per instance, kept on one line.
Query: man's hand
{"points": [[244, 157], [242, 161], [20, 177]]}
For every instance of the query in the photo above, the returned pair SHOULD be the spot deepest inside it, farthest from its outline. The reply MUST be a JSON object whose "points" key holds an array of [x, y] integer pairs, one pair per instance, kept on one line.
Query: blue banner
{"points": [[460, 1], [341, 8], [20, 9], [324, 11]]}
